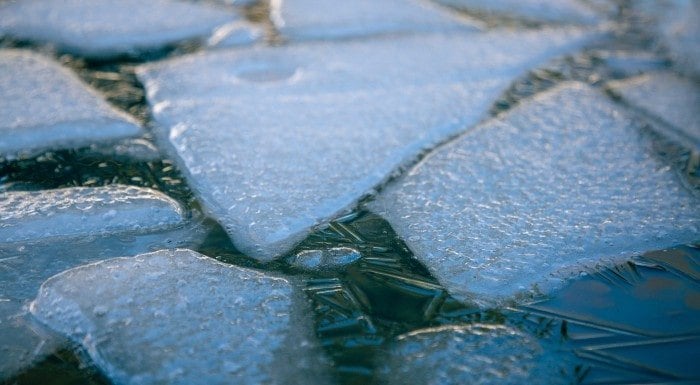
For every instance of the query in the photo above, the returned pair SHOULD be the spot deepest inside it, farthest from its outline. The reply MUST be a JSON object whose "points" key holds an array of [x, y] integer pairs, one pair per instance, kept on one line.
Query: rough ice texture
{"points": [[547, 11], [84, 211], [278, 140], [44, 106], [105, 28], [328, 19], [334, 258], [178, 317], [477, 354], [667, 97], [564, 180]]}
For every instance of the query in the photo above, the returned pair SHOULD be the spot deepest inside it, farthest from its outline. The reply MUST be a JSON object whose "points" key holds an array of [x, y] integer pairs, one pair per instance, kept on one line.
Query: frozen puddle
{"points": [[327, 19], [477, 354], [666, 97], [44, 106], [521, 202], [84, 211], [104, 28], [560, 11], [278, 140], [178, 317]]}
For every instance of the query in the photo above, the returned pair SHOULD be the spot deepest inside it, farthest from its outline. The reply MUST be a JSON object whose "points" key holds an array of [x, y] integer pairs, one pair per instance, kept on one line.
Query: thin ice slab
{"points": [[84, 211], [664, 96], [329, 19], [479, 354], [44, 106], [545, 11], [178, 317], [105, 28], [563, 181], [278, 140]]}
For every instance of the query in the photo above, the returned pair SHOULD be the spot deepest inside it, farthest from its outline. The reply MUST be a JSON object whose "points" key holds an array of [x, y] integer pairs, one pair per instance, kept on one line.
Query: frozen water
{"points": [[235, 34], [477, 354], [278, 140], [104, 28], [178, 317], [44, 106], [547, 11], [334, 258], [665, 96], [562, 181], [84, 211], [328, 19]]}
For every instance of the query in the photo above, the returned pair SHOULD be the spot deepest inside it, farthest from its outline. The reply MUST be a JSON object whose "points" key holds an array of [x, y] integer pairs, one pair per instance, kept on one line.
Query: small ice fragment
{"points": [[326, 259]]}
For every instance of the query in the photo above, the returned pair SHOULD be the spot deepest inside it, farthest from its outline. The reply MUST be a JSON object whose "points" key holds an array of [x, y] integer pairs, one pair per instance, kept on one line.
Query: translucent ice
{"points": [[178, 317], [44, 106], [547, 11], [334, 258], [562, 181], [278, 140], [99, 28], [477, 354], [84, 211], [327, 19], [667, 97]]}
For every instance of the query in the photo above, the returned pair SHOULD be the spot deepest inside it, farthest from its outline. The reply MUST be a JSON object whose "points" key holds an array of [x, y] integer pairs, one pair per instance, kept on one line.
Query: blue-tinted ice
{"points": [[560, 11]]}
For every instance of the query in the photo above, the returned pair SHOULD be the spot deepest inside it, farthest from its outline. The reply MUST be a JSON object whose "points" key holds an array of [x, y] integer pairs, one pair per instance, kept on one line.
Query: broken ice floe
{"points": [[328, 19], [44, 106], [334, 258], [673, 100], [179, 317], [562, 181], [104, 28], [476, 354], [561, 11], [278, 140], [84, 211]]}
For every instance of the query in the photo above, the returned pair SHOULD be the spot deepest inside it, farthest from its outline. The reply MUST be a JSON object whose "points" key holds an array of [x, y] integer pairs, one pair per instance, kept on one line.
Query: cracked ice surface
{"points": [[476, 354], [560, 11], [105, 28], [665, 96], [178, 317], [562, 181], [84, 211], [278, 140], [328, 19], [44, 106]]}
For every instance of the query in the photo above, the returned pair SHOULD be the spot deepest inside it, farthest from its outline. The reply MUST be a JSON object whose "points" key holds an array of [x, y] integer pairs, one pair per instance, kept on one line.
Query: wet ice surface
{"points": [[478, 354], [179, 317], [328, 19], [334, 258], [269, 172], [104, 28], [563, 181], [84, 211], [669, 98], [561, 11], [44, 106]]}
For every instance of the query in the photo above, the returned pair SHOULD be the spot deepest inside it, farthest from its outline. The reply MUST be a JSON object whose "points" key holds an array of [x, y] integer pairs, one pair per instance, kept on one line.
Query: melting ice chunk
{"points": [[476, 354], [561, 11], [44, 106], [278, 140], [562, 181], [665, 96], [327, 19], [105, 28], [178, 317], [84, 211], [334, 258]]}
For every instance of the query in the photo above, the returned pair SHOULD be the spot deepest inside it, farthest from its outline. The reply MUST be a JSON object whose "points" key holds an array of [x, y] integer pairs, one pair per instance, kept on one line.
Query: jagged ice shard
{"points": [[178, 317], [278, 140], [563, 181]]}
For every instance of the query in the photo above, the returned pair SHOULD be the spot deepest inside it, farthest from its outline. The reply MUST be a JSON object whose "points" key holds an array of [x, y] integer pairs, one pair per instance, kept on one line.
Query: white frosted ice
{"points": [[328, 19], [477, 354], [334, 258], [105, 28], [562, 181], [665, 96], [278, 140], [547, 11], [44, 106], [178, 317], [84, 211]]}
